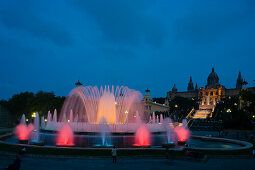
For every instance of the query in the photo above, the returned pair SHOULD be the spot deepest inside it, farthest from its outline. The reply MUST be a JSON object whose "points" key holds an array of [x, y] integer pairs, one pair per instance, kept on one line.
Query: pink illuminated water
{"points": [[91, 104], [65, 136], [21, 132], [183, 133], [142, 136]]}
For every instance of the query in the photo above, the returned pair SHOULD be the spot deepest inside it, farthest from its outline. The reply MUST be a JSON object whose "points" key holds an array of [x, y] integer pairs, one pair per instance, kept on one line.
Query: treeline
{"points": [[234, 116], [28, 102]]}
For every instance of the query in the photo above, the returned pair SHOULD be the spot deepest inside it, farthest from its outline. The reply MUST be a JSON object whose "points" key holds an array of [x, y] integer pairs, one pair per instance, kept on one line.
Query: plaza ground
{"points": [[44, 163]]}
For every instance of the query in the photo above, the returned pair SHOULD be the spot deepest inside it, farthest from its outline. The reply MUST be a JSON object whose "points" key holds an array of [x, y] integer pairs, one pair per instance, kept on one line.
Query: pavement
{"points": [[130, 163]]}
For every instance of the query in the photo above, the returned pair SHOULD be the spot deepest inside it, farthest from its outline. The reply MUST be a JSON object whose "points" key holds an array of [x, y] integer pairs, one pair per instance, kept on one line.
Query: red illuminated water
{"points": [[142, 136], [22, 132], [182, 133], [65, 136]]}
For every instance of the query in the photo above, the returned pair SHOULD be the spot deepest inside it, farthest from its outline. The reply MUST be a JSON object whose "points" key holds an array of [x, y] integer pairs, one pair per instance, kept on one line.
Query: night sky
{"points": [[49, 45]]}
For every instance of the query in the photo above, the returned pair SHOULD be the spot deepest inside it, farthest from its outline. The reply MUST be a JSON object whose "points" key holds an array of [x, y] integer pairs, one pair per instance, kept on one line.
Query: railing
{"points": [[189, 115]]}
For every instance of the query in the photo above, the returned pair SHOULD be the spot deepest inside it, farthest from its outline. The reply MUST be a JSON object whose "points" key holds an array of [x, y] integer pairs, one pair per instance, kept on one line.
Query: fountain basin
{"points": [[102, 146], [235, 147], [23, 141], [181, 142], [37, 142], [168, 145]]}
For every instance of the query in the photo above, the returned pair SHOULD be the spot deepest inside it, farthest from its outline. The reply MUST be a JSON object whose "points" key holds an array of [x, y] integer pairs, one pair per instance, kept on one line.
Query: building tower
{"points": [[147, 97], [174, 89], [239, 81], [196, 88], [190, 85]]}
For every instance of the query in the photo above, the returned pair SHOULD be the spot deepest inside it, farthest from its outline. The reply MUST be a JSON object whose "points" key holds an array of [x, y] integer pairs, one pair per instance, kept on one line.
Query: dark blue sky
{"points": [[48, 45]]}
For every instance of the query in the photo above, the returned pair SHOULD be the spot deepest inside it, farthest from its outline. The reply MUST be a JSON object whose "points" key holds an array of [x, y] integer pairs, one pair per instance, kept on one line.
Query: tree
{"points": [[180, 107], [28, 102], [232, 117]]}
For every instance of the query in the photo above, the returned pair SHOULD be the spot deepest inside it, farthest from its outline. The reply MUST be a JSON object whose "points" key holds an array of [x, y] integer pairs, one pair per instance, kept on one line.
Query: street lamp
{"points": [[33, 115]]}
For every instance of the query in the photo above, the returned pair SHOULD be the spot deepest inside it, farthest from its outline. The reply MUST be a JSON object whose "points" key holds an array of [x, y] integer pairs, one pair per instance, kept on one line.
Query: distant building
{"points": [[154, 106], [209, 95]]}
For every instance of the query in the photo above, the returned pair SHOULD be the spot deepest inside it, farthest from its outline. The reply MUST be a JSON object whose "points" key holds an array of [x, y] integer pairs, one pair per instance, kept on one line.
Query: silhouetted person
{"points": [[15, 165], [114, 154]]}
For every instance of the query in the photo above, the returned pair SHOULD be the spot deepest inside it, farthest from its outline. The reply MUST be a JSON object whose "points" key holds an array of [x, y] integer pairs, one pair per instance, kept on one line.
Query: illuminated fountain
{"points": [[90, 104], [142, 137], [22, 131], [35, 139], [183, 133], [104, 135], [103, 117], [86, 106], [65, 136], [171, 140]]}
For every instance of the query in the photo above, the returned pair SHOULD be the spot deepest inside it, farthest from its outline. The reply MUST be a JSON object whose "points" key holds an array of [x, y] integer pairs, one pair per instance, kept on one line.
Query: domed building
{"points": [[209, 95], [213, 91]]}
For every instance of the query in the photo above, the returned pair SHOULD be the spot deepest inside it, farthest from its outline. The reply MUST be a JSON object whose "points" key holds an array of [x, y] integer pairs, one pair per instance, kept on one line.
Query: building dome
{"points": [[213, 80]]}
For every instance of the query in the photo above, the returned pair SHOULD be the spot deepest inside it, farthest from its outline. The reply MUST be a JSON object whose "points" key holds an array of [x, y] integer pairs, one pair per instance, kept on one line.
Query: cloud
{"points": [[125, 22], [24, 18], [206, 21]]}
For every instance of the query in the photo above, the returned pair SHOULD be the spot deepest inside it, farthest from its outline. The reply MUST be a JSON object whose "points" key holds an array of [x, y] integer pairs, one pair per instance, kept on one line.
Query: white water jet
{"points": [[104, 131], [37, 121], [153, 118], [63, 118], [71, 116], [55, 116], [42, 122], [167, 123], [157, 120], [36, 134], [23, 119], [76, 118], [49, 117], [138, 119], [161, 118]]}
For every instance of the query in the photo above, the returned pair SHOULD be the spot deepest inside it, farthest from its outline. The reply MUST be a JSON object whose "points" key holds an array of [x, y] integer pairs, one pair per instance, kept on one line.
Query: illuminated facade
{"points": [[207, 96], [154, 106], [213, 89]]}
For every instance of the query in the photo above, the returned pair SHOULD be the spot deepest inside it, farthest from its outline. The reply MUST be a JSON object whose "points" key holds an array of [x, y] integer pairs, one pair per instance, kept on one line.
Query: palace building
{"points": [[209, 95]]}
